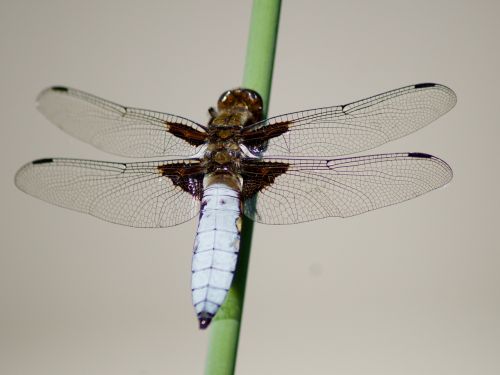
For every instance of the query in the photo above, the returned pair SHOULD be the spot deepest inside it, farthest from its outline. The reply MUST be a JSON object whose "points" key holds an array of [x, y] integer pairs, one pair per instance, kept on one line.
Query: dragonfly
{"points": [[286, 169]]}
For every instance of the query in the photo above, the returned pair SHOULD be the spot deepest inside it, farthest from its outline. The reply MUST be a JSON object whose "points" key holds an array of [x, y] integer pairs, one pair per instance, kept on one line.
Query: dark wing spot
{"points": [[424, 85], [257, 175], [43, 161], [264, 133], [59, 88], [186, 133], [256, 140], [187, 176], [419, 155]]}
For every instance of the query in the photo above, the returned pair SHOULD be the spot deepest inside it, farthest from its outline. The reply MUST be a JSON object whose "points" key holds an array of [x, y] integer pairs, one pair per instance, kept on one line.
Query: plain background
{"points": [[409, 289]]}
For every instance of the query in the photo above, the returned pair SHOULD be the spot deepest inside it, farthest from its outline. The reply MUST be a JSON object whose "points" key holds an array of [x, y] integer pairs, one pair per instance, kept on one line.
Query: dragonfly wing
{"points": [[350, 128], [298, 190], [120, 130], [145, 194]]}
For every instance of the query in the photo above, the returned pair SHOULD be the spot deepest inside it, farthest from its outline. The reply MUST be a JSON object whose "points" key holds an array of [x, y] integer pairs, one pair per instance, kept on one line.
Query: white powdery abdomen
{"points": [[215, 249]]}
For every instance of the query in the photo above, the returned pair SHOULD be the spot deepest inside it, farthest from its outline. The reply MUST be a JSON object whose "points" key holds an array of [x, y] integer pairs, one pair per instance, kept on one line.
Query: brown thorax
{"points": [[235, 109]]}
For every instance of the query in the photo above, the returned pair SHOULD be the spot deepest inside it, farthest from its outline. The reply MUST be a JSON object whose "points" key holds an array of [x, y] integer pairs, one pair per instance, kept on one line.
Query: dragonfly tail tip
{"points": [[204, 319]]}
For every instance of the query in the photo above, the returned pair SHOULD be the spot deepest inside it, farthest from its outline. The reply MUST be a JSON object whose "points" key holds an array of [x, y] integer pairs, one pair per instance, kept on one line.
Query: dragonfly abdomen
{"points": [[216, 249]]}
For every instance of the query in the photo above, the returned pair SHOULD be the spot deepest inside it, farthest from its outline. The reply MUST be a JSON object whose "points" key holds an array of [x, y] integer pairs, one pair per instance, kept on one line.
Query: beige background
{"points": [[410, 289]]}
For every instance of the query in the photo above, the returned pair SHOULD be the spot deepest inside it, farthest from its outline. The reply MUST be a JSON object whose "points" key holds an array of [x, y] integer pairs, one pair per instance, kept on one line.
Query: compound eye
{"points": [[250, 98], [253, 99], [226, 100], [253, 95]]}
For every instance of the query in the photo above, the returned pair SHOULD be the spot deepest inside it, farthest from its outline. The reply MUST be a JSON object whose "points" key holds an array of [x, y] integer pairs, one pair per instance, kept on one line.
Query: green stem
{"points": [[225, 328]]}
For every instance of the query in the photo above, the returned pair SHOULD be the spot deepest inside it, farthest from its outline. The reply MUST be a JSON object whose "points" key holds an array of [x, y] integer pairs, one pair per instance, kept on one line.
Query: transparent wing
{"points": [[117, 129], [299, 190], [350, 128], [148, 194]]}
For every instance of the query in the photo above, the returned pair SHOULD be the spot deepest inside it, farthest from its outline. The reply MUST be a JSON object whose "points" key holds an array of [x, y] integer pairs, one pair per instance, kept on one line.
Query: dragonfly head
{"points": [[241, 99]]}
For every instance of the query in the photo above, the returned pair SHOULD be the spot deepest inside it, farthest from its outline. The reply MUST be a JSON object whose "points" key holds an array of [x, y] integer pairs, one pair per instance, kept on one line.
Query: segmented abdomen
{"points": [[215, 249]]}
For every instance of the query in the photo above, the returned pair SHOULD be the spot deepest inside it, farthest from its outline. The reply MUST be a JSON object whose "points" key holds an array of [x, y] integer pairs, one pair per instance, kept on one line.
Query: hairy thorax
{"points": [[235, 109]]}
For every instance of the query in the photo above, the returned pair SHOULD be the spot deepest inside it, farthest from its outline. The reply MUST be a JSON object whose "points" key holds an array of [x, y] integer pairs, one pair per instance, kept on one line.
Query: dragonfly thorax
{"points": [[235, 109]]}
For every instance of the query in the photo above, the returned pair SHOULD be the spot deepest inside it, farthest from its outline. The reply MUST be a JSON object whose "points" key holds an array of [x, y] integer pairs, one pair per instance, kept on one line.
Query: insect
{"points": [[292, 163]]}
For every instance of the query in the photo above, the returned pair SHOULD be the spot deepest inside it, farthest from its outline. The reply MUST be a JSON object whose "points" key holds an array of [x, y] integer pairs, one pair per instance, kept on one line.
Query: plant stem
{"points": [[225, 327]]}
